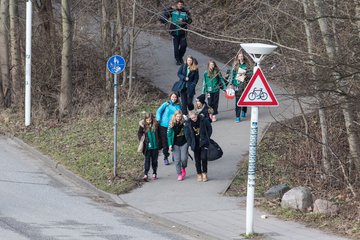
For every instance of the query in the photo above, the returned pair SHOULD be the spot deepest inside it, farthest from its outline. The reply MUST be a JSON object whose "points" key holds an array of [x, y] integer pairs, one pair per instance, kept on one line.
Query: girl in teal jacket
{"points": [[213, 82], [163, 116]]}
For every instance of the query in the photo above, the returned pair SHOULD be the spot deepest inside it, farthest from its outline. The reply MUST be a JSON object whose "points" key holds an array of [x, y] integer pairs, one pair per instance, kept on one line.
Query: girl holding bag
{"points": [[239, 78]]}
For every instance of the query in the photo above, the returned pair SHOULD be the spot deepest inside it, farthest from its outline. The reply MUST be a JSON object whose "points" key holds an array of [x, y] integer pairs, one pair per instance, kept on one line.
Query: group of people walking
{"points": [[179, 123]]}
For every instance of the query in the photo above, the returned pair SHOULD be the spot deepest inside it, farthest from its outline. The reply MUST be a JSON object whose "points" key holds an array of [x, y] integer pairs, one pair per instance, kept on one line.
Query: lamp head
{"points": [[257, 51]]}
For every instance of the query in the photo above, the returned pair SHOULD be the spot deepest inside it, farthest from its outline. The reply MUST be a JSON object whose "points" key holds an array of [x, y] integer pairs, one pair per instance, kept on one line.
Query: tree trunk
{"points": [[357, 12], [119, 45], [16, 65], [5, 94], [322, 115], [45, 13], [106, 40], [347, 107], [66, 59], [132, 46]]}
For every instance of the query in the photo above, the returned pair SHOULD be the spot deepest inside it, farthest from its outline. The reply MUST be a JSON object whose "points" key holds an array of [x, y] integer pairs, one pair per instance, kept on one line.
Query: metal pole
{"points": [[115, 124], [28, 63], [252, 167]]}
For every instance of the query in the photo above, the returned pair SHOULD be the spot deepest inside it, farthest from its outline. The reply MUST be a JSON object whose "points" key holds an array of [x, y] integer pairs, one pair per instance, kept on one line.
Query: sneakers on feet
{"points": [[145, 178], [154, 177], [183, 173], [180, 178], [243, 114], [237, 119], [166, 161]]}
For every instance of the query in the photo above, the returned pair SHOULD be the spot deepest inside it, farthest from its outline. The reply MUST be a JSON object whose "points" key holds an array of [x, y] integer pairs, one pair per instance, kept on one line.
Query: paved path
{"points": [[41, 202], [202, 206]]}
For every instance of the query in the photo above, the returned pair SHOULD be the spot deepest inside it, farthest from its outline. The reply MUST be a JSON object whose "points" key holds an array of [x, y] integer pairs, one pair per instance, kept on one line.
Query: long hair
{"points": [[237, 62], [177, 97], [214, 72], [194, 63], [173, 119], [153, 123]]}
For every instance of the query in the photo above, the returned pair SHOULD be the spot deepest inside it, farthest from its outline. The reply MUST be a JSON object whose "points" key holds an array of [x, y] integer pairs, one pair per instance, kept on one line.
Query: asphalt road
{"points": [[38, 202]]}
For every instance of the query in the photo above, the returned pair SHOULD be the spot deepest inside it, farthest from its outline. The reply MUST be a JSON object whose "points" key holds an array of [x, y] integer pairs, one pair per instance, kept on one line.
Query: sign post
{"points": [[257, 93], [116, 64], [28, 63]]}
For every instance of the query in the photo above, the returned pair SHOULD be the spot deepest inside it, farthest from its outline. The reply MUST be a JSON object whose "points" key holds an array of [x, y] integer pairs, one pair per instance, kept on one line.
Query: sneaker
{"points": [[243, 114], [145, 178], [180, 178], [183, 172], [237, 119], [166, 161], [185, 117], [154, 177]]}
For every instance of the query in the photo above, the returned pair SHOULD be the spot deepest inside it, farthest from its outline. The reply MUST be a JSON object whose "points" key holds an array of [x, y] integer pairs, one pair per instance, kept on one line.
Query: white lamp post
{"points": [[257, 52], [28, 63]]}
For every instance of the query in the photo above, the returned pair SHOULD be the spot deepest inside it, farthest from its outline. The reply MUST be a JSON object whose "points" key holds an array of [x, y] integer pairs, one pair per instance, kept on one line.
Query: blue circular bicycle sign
{"points": [[116, 64]]}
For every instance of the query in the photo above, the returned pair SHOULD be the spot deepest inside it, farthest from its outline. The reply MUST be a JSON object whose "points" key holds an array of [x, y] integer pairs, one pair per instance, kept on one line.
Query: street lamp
{"points": [[257, 52]]}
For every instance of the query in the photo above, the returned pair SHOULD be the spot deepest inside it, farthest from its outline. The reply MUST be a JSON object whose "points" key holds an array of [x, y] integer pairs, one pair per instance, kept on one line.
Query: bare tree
{"points": [[15, 53], [106, 39], [66, 60], [5, 92], [322, 115], [347, 106]]}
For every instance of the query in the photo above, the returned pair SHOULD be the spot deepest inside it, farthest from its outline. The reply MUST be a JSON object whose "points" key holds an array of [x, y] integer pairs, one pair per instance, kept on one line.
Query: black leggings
{"points": [[164, 143], [237, 108], [201, 161], [213, 101], [186, 102], [151, 156]]}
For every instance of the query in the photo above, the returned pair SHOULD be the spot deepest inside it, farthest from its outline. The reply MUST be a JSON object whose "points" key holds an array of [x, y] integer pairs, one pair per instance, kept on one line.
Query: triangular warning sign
{"points": [[258, 92]]}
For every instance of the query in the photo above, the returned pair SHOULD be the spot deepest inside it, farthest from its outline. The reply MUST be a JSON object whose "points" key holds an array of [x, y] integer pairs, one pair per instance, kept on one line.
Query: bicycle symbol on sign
{"points": [[258, 94]]}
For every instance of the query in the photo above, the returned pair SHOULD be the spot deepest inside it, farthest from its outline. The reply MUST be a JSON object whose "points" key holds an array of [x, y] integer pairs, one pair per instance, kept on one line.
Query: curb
{"points": [[59, 169]]}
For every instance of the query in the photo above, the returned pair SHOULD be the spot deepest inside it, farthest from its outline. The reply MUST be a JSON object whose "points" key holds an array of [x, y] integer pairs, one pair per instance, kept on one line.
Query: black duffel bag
{"points": [[214, 151]]}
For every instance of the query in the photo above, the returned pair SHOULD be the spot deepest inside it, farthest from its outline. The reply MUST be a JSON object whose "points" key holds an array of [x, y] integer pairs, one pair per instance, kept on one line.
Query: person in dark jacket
{"points": [[149, 127], [202, 108], [179, 18], [198, 132], [189, 73]]}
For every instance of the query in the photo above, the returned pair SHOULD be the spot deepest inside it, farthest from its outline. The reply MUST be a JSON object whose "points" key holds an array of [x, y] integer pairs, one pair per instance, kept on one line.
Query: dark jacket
{"points": [[173, 15], [205, 111], [142, 131], [205, 133], [193, 79]]}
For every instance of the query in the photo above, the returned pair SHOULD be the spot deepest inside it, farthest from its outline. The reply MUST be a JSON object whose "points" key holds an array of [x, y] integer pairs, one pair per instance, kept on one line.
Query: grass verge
{"points": [[85, 145]]}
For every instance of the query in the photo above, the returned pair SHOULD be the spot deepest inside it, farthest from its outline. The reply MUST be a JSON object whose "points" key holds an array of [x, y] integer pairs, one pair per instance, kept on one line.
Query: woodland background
{"points": [[317, 58]]}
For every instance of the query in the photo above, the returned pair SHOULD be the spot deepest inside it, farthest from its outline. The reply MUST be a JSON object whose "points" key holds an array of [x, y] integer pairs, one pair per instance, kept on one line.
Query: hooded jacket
{"points": [[165, 112]]}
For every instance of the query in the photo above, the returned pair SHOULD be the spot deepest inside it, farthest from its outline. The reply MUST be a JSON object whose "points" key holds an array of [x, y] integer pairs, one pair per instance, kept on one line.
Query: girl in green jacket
{"points": [[178, 143], [212, 83], [239, 78]]}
